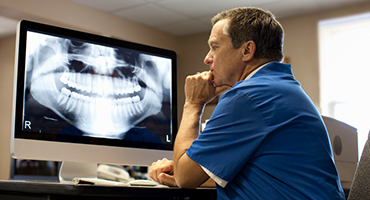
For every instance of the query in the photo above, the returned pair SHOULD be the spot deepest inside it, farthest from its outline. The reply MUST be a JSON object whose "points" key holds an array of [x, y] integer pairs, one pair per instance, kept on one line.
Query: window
{"points": [[344, 46]]}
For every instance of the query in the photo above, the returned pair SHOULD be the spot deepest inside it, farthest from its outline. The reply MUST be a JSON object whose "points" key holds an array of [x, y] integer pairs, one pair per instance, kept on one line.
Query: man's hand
{"points": [[162, 172], [200, 88]]}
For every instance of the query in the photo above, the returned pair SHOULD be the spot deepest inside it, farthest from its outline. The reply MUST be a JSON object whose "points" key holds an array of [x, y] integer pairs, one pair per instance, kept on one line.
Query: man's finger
{"points": [[166, 179]]}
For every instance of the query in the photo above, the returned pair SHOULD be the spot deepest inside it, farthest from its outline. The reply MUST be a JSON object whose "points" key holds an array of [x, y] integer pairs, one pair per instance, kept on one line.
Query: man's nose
{"points": [[208, 60]]}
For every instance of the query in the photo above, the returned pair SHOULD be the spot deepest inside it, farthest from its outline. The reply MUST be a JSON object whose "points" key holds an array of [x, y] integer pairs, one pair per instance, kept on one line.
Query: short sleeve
{"points": [[231, 137]]}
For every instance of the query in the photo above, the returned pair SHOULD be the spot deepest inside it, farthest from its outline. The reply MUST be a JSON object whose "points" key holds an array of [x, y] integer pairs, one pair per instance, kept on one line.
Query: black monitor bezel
{"points": [[25, 26]]}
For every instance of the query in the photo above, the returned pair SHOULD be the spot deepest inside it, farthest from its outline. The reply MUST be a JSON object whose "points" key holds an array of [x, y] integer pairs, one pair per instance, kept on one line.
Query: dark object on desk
{"points": [[55, 191], [360, 188]]}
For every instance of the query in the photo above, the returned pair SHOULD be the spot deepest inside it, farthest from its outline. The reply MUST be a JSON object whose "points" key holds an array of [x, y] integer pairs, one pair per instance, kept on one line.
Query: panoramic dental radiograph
{"points": [[103, 91]]}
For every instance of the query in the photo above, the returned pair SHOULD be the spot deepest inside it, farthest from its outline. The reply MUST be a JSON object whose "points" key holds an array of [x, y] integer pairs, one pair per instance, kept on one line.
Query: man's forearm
{"points": [[210, 183], [189, 129], [198, 91], [188, 173]]}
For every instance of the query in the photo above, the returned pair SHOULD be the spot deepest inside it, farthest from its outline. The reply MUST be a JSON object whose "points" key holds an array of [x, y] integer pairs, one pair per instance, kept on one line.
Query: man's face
{"points": [[225, 62], [103, 91]]}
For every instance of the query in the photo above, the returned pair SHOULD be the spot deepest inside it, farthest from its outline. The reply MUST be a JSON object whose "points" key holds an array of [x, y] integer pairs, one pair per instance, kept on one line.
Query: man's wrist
{"points": [[194, 107]]}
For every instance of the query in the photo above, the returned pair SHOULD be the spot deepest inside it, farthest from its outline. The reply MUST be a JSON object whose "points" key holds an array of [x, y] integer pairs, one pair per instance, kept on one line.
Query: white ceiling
{"points": [[185, 17]]}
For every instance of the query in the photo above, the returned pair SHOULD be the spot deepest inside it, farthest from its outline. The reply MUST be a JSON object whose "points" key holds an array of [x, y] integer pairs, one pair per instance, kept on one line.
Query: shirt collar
{"points": [[256, 70]]}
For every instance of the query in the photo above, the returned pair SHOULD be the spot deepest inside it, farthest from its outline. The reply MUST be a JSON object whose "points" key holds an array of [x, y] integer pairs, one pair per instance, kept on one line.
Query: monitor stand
{"points": [[70, 170]]}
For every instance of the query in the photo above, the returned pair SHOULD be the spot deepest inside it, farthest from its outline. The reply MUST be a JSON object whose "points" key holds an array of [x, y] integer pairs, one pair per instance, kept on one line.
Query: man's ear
{"points": [[248, 49]]}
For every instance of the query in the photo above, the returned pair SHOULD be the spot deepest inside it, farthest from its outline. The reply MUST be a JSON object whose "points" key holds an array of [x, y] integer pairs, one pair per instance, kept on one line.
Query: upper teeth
{"points": [[101, 85], [74, 101]]}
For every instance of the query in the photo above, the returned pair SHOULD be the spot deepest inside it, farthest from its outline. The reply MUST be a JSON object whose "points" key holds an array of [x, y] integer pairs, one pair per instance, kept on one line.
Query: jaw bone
{"points": [[98, 99]]}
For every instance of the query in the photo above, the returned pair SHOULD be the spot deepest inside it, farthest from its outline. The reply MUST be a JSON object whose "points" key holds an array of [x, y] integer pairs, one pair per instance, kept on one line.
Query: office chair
{"points": [[360, 188]]}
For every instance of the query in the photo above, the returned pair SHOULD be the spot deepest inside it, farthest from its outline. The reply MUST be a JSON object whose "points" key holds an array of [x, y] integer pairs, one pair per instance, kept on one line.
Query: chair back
{"points": [[360, 188]]}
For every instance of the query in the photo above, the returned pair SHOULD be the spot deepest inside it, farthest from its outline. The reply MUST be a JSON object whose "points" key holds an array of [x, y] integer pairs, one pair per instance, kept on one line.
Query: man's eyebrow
{"points": [[211, 42]]}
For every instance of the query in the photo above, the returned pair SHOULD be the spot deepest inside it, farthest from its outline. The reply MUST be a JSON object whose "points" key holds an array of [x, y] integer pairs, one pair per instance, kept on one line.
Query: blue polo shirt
{"points": [[266, 140]]}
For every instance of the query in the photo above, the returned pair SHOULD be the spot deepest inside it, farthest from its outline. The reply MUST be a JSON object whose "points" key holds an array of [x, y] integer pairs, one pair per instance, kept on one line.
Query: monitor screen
{"points": [[88, 90]]}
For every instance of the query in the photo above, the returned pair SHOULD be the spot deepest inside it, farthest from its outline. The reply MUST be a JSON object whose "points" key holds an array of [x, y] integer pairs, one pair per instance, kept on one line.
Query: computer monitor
{"points": [[86, 99]]}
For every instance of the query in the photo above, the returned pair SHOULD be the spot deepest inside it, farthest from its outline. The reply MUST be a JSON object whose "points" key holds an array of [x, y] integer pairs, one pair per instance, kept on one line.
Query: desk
{"points": [[55, 191]]}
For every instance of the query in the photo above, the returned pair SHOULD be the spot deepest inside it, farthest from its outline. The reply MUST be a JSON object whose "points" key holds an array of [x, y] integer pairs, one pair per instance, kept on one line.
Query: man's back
{"points": [[268, 141]]}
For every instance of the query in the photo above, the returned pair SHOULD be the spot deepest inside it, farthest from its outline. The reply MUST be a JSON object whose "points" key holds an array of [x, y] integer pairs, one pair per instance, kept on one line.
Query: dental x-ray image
{"points": [[93, 90]]}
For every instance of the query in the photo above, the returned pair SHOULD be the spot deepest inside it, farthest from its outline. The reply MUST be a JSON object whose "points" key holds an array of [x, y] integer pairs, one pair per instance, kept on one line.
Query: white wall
{"points": [[68, 14], [6, 95]]}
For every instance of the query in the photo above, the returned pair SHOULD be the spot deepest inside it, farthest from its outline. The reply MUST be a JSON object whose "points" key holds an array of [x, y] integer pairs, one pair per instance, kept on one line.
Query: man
{"points": [[265, 139]]}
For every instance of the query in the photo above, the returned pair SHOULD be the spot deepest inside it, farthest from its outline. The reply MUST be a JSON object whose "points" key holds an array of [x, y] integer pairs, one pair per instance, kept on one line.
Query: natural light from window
{"points": [[344, 46]]}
